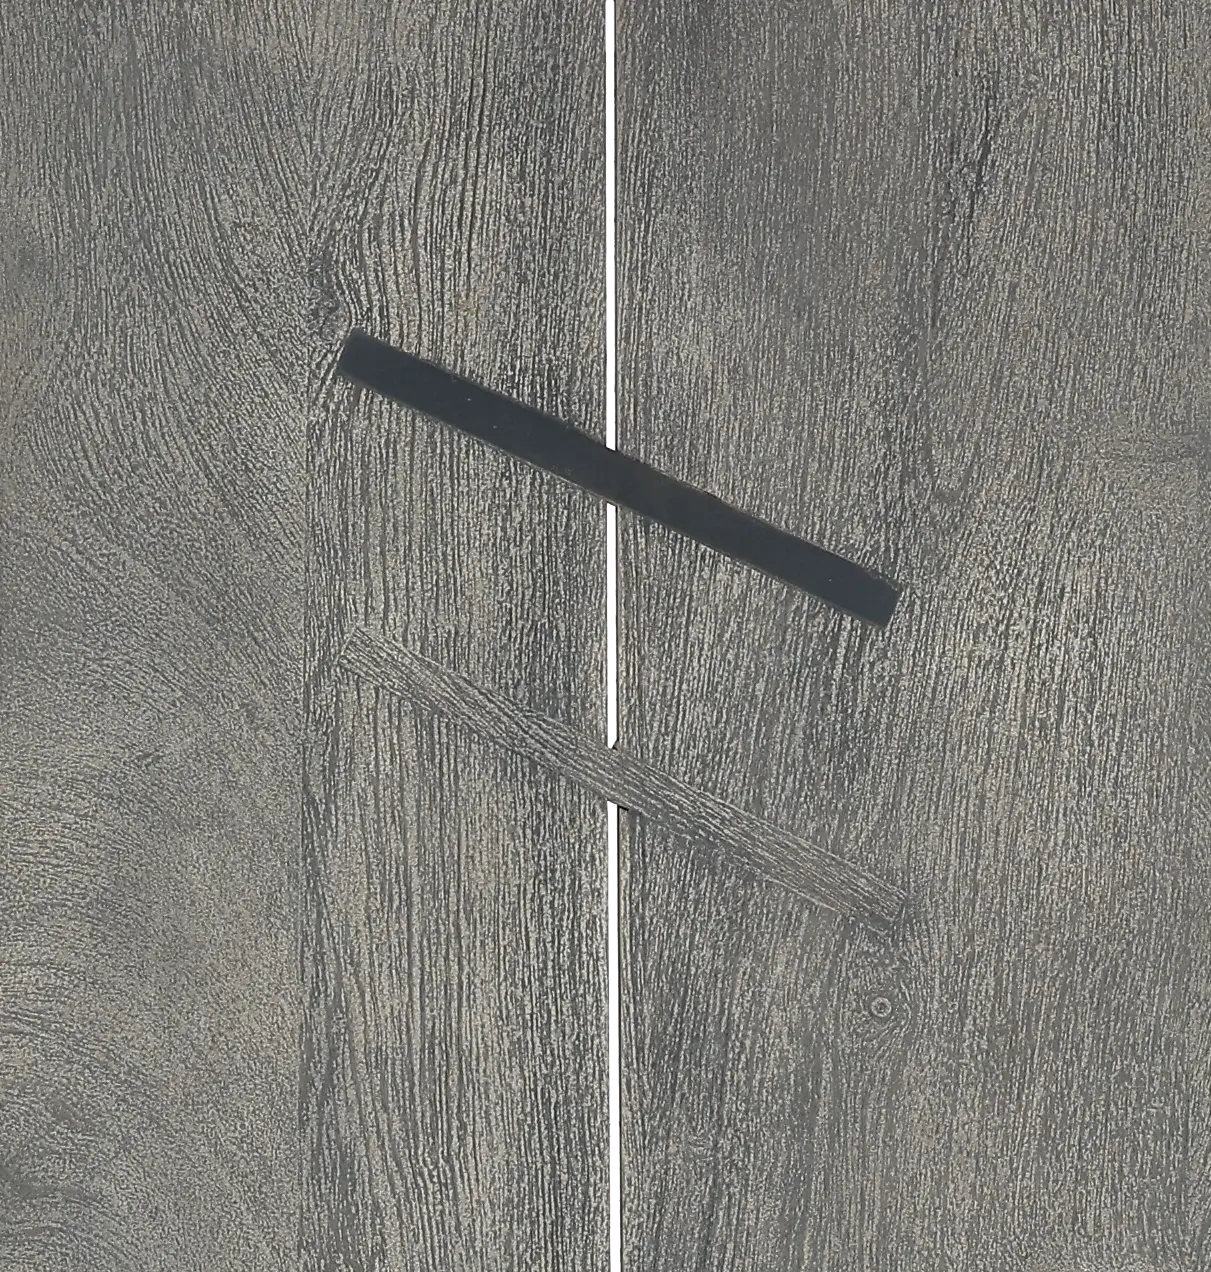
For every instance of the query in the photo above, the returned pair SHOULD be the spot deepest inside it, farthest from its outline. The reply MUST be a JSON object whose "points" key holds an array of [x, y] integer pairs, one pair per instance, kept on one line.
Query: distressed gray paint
{"points": [[928, 278]]}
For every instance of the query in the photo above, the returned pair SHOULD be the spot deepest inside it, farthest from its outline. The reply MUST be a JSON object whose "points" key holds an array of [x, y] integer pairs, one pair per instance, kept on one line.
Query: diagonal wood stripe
{"points": [[764, 849], [550, 444]]}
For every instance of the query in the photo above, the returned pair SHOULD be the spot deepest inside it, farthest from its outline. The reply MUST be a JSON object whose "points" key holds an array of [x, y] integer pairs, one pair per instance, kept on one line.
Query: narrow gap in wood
{"points": [[611, 622], [614, 1036], [613, 931]]}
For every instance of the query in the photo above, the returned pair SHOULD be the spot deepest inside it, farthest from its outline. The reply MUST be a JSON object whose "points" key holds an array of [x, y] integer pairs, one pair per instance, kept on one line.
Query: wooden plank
{"points": [[1193, 731], [151, 578], [945, 257], [453, 1104]]}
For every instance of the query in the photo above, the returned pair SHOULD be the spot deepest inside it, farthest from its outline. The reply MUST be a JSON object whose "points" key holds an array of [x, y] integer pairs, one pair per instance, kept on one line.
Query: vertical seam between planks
{"points": [[613, 1032]]}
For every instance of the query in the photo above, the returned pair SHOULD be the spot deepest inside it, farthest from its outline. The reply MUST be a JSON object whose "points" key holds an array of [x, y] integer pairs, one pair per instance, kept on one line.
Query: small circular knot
{"points": [[879, 1007]]}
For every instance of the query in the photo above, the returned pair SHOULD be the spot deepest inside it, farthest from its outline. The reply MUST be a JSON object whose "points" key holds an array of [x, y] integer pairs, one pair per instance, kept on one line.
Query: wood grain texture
{"points": [[454, 1044], [711, 825], [1196, 1058], [152, 355], [950, 257]]}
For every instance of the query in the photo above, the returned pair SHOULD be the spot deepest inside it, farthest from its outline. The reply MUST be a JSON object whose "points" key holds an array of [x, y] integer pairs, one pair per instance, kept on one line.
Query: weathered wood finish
{"points": [[924, 284], [196, 200], [927, 286], [153, 375], [454, 951]]}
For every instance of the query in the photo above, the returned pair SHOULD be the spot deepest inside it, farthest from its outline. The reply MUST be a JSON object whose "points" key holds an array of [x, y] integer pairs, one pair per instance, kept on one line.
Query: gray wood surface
{"points": [[152, 381], [926, 285], [196, 201], [454, 947]]}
